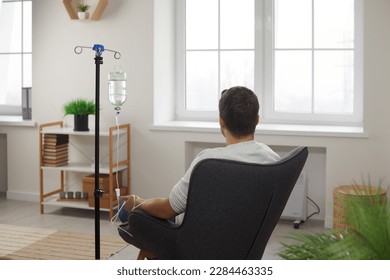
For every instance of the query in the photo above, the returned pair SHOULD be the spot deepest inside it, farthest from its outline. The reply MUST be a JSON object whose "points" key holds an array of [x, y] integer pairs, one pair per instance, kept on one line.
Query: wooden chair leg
{"points": [[142, 255]]}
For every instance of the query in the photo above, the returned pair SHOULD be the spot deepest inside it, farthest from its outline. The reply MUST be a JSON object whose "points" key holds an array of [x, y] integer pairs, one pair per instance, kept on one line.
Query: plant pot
{"points": [[82, 15], [81, 123], [345, 195]]}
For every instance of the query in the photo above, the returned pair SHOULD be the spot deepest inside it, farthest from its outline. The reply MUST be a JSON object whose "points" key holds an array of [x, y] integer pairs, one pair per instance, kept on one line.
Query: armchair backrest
{"points": [[233, 207]]}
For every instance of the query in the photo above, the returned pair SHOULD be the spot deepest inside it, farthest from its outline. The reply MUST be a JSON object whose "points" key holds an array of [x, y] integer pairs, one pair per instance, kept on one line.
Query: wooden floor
{"points": [[24, 213]]}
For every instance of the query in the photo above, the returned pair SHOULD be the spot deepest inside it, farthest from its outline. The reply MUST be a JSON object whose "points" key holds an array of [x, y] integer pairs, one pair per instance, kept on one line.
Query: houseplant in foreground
{"points": [[80, 108], [366, 238]]}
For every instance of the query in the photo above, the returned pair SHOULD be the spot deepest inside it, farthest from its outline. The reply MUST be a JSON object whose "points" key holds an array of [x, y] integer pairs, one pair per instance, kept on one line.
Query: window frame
{"points": [[16, 110], [263, 82], [180, 112], [271, 116]]}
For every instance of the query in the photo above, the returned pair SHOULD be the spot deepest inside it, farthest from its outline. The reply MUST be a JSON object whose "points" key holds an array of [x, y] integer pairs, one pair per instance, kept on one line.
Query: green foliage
{"points": [[367, 238], [80, 107], [307, 246], [81, 7]]}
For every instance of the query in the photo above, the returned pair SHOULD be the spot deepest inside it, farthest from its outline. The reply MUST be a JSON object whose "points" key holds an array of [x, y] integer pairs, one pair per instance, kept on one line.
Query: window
{"points": [[15, 54], [302, 57]]}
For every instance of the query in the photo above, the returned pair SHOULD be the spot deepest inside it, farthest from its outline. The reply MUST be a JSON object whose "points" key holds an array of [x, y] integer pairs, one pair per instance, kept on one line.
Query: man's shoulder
{"points": [[211, 152], [250, 151]]}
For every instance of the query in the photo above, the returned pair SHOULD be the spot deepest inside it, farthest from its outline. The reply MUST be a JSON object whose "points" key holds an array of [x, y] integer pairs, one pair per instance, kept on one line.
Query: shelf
{"points": [[83, 168], [72, 204], [101, 6], [69, 130], [109, 168]]}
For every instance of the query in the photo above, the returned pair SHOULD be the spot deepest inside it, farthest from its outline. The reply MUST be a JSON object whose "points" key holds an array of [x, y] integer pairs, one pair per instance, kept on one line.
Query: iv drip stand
{"points": [[98, 192]]}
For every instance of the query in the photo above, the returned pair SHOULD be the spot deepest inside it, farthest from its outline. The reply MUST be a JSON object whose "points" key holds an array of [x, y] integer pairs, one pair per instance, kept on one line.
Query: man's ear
{"points": [[222, 126], [258, 119], [221, 122]]}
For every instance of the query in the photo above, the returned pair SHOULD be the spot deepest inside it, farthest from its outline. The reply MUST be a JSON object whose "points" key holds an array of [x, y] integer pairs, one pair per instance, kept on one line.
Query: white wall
{"points": [[158, 157]]}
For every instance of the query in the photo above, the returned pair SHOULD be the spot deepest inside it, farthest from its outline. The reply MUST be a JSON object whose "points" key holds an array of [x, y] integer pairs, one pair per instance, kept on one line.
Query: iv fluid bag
{"points": [[117, 88]]}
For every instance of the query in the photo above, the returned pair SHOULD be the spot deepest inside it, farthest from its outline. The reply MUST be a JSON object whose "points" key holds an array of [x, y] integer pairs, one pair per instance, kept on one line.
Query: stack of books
{"points": [[55, 149]]}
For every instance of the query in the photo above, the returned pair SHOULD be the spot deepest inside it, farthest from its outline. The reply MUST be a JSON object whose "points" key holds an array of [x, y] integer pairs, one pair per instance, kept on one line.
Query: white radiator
{"points": [[296, 207]]}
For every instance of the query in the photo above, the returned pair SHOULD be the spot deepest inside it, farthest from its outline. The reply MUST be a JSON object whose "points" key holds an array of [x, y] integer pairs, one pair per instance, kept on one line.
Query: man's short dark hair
{"points": [[239, 109]]}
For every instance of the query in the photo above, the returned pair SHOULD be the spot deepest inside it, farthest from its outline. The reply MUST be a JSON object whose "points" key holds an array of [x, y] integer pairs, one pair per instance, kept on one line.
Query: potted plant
{"points": [[82, 10], [80, 108], [367, 236]]}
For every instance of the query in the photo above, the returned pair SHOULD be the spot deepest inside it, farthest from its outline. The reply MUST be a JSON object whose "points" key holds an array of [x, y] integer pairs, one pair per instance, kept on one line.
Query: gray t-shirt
{"points": [[249, 151]]}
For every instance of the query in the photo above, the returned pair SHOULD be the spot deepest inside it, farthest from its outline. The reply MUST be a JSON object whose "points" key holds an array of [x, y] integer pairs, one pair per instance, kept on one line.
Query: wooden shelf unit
{"points": [[51, 197]]}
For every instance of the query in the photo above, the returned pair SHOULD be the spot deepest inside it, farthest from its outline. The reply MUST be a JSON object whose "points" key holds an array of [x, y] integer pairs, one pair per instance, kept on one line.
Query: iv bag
{"points": [[117, 88]]}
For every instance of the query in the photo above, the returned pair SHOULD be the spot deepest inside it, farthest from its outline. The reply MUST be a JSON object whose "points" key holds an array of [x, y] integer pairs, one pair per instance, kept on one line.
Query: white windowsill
{"points": [[15, 121], [268, 129]]}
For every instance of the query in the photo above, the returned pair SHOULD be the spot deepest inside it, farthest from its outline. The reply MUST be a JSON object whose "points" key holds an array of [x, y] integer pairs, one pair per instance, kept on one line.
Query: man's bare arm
{"points": [[157, 207]]}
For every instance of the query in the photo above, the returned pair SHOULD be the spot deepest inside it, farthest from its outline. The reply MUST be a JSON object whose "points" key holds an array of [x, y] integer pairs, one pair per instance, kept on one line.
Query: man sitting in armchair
{"points": [[238, 118]]}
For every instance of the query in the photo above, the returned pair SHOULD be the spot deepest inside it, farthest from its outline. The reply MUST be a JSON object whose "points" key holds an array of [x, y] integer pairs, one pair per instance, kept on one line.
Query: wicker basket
{"points": [[347, 194]]}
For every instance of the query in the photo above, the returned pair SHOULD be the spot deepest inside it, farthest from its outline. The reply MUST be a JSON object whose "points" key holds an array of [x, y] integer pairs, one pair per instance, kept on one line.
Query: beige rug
{"points": [[24, 243]]}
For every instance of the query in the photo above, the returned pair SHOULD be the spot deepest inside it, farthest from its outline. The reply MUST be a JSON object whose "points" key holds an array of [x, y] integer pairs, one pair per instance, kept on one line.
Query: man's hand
{"points": [[132, 202]]}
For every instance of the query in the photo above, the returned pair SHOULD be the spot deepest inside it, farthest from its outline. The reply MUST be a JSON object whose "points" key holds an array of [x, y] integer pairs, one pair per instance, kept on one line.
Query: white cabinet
{"points": [[118, 161]]}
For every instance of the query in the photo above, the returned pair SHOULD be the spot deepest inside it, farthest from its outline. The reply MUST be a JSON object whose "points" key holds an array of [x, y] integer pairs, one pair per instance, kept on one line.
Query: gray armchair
{"points": [[232, 210]]}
